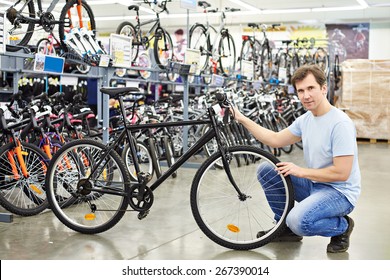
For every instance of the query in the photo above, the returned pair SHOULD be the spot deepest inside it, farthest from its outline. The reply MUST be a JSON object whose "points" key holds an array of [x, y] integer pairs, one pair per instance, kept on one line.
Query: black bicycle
{"points": [[156, 35], [89, 187]]}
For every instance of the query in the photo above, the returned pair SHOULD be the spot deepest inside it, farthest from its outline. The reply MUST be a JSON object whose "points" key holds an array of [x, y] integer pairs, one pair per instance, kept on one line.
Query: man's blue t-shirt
{"points": [[326, 137]]}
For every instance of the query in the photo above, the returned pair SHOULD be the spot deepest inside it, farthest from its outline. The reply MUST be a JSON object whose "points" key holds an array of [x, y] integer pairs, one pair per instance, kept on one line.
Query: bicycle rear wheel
{"points": [[21, 195], [128, 29], [87, 205], [227, 219], [25, 30]]}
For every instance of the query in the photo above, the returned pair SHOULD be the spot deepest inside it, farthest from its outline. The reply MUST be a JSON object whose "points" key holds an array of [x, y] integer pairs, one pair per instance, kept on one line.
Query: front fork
{"points": [[226, 156], [17, 151], [79, 14]]}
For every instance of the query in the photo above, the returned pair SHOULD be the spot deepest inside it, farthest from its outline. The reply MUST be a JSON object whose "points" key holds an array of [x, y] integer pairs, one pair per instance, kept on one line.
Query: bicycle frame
{"points": [[210, 134], [40, 9], [221, 27], [152, 30]]}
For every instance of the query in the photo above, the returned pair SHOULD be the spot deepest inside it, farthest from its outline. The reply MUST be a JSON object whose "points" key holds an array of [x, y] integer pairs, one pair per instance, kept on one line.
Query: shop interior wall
{"points": [[378, 45]]}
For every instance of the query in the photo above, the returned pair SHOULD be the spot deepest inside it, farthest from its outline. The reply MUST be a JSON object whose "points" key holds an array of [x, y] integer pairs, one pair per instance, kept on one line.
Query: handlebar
{"points": [[162, 4], [204, 4]]}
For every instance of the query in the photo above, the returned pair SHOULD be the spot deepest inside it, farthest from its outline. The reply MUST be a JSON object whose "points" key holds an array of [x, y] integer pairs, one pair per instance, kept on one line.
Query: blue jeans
{"points": [[320, 209]]}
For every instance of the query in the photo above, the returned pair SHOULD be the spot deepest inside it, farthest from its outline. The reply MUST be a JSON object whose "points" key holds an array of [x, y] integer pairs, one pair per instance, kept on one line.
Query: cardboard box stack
{"points": [[366, 94]]}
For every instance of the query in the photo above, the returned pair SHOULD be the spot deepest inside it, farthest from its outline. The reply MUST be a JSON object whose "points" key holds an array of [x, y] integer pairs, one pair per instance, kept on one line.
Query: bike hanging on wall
{"points": [[26, 17], [155, 36]]}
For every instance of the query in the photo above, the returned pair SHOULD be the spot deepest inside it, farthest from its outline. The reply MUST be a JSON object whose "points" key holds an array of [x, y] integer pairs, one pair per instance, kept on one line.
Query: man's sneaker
{"points": [[286, 236], [340, 243]]}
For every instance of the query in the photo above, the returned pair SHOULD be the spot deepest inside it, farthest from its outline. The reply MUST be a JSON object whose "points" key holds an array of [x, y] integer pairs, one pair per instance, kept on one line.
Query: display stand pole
{"points": [[185, 97], [103, 103]]}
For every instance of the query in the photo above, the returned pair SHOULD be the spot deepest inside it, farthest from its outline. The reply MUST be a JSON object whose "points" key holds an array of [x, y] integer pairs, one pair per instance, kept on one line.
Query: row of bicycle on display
{"points": [[32, 131], [212, 49], [51, 158]]}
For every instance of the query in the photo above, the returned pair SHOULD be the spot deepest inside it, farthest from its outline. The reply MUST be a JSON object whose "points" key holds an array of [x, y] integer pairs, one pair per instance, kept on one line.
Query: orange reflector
{"points": [[233, 228], [35, 189], [90, 216]]}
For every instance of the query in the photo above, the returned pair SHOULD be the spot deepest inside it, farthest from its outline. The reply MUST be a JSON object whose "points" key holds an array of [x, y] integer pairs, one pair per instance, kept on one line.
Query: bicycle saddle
{"points": [[134, 7], [115, 92]]}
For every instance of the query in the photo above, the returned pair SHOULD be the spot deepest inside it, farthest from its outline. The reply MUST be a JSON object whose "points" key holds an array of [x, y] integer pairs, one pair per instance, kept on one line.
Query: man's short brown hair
{"points": [[302, 72]]}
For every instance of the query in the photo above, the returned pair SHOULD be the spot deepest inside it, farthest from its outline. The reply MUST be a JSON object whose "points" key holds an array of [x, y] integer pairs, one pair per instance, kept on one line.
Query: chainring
{"points": [[140, 197], [47, 22]]}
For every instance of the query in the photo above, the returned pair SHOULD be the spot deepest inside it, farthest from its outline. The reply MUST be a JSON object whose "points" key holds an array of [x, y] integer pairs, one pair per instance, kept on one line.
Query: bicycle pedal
{"points": [[142, 215], [67, 23]]}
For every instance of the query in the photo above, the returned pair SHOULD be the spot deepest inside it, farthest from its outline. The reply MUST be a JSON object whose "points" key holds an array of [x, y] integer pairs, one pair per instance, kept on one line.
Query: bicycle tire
{"points": [[88, 21], [266, 63], [294, 65], [321, 58], [23, 196], [42, 47], [336, 68], [162, 48], [29, 29], [225, 218], [227, 54], [278, 124], [247, 53], [127, 29], [282, 64], [143, 157], [200, 41], [83, 210]]}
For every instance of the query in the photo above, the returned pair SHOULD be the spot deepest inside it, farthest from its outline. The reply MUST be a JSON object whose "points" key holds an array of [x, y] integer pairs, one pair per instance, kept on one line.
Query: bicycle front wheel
{"points": [[227, 54], [321, 58], [233, 221], [45, 47], [83, 201], [199, 40], [143, 158], [22, 194], [72, 17], [163, 48]]}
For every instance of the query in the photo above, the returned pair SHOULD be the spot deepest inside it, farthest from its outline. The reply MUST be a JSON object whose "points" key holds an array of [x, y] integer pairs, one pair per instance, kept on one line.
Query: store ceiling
{"points": [[110, 13]]}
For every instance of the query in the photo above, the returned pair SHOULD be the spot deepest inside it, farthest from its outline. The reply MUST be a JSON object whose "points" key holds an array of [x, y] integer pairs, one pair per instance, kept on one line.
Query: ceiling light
{"points": [[362, 3], [10, 3], [245, 5], [335, 9], [286, 11]]}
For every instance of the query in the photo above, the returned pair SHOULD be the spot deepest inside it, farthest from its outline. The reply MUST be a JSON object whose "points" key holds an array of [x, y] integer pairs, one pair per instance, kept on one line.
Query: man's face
{"points": [[310, 93]]}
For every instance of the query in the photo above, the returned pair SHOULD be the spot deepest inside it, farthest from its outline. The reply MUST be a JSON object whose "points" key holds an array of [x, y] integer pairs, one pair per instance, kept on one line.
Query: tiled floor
{"points": [[170, 232]]}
